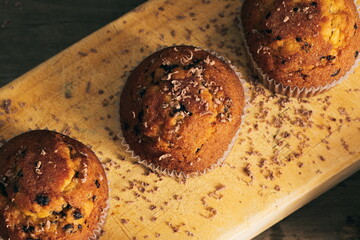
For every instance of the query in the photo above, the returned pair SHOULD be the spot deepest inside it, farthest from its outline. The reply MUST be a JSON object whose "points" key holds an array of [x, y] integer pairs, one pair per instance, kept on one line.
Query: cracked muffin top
{"points": [[52, 187], [302, 43], [180, 109]]}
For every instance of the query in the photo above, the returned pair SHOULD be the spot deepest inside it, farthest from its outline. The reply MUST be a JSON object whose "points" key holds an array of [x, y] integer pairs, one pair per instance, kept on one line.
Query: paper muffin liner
{"points": [[220, 161], [102, 220], [289, 91], [98, 230]]}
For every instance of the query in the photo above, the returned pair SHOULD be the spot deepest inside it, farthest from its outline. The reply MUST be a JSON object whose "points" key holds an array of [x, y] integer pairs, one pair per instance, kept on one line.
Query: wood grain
{"points": [[76, 92]]}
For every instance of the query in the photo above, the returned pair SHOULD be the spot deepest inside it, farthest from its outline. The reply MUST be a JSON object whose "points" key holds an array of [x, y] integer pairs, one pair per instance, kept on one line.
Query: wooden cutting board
{"points": [[289, 150]]}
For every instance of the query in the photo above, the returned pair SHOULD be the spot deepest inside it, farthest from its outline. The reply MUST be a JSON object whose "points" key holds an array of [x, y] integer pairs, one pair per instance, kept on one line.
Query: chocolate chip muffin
{"points": [[180, 109], [302, 43], [52, 187]]}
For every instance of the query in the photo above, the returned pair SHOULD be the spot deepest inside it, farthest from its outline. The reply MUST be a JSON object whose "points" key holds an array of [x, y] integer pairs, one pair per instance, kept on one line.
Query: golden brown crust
{"points": [[302, 43], [52, 187], [180, 108]]}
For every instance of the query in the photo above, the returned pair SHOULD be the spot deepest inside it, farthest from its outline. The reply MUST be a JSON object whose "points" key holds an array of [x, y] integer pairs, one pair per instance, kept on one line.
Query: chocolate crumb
{"points": [[83, 54], [88, 86], [68, 93], [6, 104], [247, 170], [123, 221]]}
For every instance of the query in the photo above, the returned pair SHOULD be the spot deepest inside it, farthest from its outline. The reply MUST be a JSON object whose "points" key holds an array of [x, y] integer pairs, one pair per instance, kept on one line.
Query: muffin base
{"points": [[220, 161], [101, 223], [97, 232], [289, 91]]}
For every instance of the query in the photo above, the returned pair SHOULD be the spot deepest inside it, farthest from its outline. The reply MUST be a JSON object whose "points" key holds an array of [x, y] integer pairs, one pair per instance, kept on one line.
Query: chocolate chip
{"points": [[79, 226], [181, 109], [77, 215], [21, 153], [296, 9], [97, 183], [304, 76], [330, 57], [298, 39], [268, 15], [142, 92], [68, 226], [94, 198], [67, 207], [269, 31], [137, 130], [187, 67], [356, 54], [126, 126], [42, 200], [61, 214], [314, 4], [3, 189], [283, 61], [140, 115], [336, 73], [28, 229], [16, 188], [279, 38], [20, 174], [193, 64], [168, 68], [355, 26]]}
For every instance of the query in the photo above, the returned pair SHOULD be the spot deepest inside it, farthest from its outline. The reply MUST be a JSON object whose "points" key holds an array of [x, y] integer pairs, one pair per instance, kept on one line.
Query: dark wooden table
{"points": [[33, 31]]}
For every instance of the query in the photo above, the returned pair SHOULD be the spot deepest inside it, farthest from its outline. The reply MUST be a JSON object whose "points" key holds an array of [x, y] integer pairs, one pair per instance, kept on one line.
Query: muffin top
{"points": [[52, 187], [300, 42], [180, 109]]}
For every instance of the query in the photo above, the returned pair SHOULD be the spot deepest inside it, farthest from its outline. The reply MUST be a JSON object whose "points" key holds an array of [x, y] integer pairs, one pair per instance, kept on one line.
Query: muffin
{"points": [[52, 187], [301, 44], [180, 109]]}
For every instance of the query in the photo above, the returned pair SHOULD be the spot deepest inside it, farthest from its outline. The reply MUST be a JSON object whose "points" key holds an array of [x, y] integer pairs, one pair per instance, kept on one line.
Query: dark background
{"points": [[34, 30]]}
